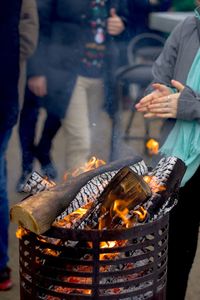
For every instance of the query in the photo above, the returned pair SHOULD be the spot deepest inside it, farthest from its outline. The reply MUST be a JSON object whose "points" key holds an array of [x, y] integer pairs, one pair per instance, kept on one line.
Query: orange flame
{"points": [[92, 164], [154, 184], [152, 146], [70, 219], [120, 207], [21, 231], [121, 210], [141, 213]]}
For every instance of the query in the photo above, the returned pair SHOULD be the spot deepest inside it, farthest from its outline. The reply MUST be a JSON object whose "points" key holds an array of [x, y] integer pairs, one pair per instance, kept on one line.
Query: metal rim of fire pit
{"points": [[145, 252]]}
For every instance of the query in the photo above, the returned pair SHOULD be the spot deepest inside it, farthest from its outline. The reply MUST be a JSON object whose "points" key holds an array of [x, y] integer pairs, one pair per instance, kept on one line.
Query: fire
{"points": [[108, 244], [92, 164], [141, 213], [21, 231], [120, 207], [69, 220], [121, 210], [154, 184], [152, 146]]}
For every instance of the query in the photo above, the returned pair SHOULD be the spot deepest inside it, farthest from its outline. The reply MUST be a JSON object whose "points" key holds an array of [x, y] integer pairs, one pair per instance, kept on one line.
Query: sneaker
{"points": [[5, 279], [22, 181]]}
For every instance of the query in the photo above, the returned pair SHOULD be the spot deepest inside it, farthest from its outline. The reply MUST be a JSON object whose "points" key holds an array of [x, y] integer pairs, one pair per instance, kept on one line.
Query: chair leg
{"points": [[128, 127], [147, 130]]}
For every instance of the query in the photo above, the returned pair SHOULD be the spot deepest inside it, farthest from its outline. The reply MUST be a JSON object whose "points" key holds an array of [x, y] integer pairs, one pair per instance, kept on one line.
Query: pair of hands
{"points": [[115, 26], [162, 102]]}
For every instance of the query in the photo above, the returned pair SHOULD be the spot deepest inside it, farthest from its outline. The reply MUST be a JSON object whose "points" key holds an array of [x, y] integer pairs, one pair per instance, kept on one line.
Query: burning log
{"points": [[164, 180], [125, 191], [39, 211], [126, 186], [118, 202]]}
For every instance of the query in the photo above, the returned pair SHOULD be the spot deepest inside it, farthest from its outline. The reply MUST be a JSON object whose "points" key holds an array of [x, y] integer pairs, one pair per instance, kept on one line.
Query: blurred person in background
{"points": [[174, 97], [28, 31], [72, 74], [9, 74]]}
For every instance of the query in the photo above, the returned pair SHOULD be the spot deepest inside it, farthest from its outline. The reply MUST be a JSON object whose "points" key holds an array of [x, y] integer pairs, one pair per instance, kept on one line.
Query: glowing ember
{"points": [[108, 244], [69, 220], [92, 164], [152, 146]]}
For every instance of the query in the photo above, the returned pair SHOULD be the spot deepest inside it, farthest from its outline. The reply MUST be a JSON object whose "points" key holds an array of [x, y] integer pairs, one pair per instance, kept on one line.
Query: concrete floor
{"points": [[193, 292]]}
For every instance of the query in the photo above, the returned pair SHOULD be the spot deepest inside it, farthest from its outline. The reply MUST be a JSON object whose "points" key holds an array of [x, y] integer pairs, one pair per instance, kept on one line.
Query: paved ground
{"points": [[101, 150]]}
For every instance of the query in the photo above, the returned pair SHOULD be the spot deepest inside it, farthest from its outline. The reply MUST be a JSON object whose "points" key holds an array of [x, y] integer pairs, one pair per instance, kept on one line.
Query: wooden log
{"points": [[38, 212], [126, 185], [167, 175], [128, 189]]}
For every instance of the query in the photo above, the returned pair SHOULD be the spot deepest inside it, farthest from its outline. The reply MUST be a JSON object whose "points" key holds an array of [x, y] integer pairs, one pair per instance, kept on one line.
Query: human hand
{"points": [[160, 90], [115, 25], [161, 103], [38, 85]]}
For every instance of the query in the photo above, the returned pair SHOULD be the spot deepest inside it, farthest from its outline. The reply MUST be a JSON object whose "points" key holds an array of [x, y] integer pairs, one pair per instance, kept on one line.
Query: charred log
{"points": [[38, 212]]}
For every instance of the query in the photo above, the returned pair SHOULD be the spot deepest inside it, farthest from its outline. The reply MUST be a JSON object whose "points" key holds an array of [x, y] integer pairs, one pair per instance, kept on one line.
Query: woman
{"points": [[175, 97]]}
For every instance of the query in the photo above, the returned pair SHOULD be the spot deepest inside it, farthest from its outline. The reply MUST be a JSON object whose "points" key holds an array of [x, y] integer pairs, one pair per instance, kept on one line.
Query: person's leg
{"points": [[183, 237], [27, 126], [5, 282], [76, 127], [43, 149]]}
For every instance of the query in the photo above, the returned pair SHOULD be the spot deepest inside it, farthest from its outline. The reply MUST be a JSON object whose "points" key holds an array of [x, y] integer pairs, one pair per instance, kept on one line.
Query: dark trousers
{"points": [[183, 238], [4, 206], [27, 128]]}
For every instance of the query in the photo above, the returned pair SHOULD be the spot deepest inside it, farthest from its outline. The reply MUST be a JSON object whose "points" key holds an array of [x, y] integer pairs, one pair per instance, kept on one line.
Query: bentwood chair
{"points": [[142, 51]]}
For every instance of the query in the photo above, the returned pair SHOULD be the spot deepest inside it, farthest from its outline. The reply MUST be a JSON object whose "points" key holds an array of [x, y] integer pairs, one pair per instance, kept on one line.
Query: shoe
{"points": [[49, 171], [45, 161], [22, 181], [5, 279]]}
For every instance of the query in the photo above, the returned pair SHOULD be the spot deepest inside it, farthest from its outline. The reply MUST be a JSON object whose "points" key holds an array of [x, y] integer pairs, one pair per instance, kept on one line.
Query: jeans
{"points": [[27, 128], [27, 131], [4, 206]]}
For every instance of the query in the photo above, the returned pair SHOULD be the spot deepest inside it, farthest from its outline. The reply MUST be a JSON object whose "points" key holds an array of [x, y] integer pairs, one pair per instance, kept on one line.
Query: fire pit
{"points": [[131, 263], [117, 249]]}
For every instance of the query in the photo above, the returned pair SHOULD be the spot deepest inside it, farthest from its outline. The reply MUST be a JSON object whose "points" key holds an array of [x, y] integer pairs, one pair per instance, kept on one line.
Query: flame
{"points": [[121, 210], [21, 232], [108, 244], [73, 217], [152, 146], [141, 213], [154, 184], [92, 164], [120, 207]]}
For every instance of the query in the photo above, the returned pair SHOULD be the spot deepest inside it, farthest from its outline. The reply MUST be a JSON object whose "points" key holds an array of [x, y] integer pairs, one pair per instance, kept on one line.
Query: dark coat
{"points": [[63, 32], [9, 62]]}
